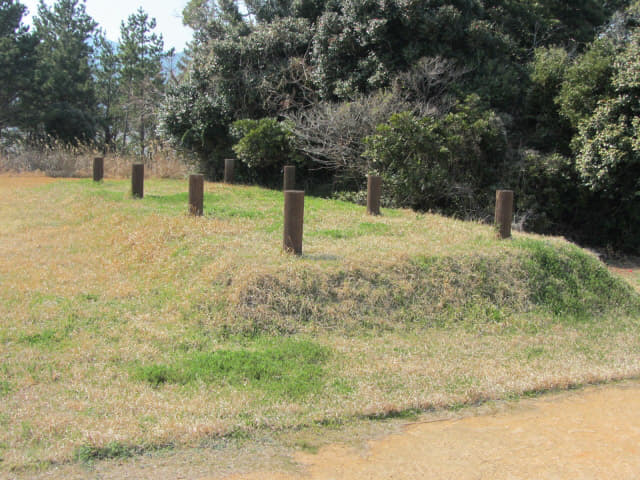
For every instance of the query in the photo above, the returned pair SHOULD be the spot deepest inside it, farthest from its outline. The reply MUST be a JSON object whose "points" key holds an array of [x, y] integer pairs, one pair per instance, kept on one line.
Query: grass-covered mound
{"points": [[559, 282], [128, 326]]}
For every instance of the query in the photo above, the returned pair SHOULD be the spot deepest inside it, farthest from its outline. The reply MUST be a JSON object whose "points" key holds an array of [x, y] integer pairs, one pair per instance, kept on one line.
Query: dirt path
{"points": [[592, 434]]}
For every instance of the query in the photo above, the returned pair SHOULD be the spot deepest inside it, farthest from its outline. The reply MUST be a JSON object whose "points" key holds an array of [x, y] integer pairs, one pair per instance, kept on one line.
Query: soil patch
{"points": [[590, 434]]}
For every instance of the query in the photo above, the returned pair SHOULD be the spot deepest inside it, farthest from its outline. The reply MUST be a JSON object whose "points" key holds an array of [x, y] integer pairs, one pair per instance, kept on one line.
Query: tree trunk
{"points": [[125, 131], [142, 135], [108, 139]]}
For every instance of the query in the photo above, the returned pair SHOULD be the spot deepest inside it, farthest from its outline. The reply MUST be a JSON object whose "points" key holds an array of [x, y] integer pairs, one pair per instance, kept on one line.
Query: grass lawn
{"points": [[127, 326]]}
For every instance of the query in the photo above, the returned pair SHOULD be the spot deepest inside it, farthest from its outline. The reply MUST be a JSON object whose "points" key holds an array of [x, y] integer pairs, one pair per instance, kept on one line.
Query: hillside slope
{"points": [[128, 326]]}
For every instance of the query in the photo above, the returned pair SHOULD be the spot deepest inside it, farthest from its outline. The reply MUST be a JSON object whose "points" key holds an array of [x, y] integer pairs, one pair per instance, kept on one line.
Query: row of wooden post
{"points": [[294, 199]]}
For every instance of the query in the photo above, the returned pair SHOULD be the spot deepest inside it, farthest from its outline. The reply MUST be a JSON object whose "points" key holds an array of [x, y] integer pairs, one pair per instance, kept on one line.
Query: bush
{"points": [[607, 149], [443, 163], [549, 193], [262, 144], [263, 147], [332, 134]]}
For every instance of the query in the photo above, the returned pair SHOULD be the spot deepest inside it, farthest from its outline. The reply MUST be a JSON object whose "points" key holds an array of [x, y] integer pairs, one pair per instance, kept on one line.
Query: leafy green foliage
{"points": [[583, 181], [607, 143], [586, 81], [599, 97], [258, 71], [198, 119], [262, 144], [439, 163], [550, 130], [360, 44], [66, 82]]}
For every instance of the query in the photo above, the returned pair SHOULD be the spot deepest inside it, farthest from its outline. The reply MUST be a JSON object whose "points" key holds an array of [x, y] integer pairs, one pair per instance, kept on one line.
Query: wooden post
{"points": [[98, 169], [289, 182], [504, 212], [196, 194], [229, 164], [374, 190], [293, 221], [137, 180]]}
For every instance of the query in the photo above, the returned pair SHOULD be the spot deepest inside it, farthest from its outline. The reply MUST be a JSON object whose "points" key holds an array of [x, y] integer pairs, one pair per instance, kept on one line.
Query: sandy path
{"points": [[593, 434]]}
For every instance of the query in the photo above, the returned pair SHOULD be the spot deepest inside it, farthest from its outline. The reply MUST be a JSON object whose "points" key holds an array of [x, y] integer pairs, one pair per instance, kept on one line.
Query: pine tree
{"points": [[17, 62], [140, 54], [64, 76], [107, 71]]}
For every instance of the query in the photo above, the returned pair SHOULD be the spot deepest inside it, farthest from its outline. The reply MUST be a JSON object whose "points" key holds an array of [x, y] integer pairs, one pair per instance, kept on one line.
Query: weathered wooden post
{"points": [[293, 221], [137, 180], [98, 169], [196, 194], [229, 164], [374, 190], [504, 212], [289, 181]]}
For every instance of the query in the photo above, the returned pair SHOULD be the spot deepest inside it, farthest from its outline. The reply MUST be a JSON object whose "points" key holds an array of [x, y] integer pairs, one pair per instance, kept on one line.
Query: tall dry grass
{"points": [[56, 159]]}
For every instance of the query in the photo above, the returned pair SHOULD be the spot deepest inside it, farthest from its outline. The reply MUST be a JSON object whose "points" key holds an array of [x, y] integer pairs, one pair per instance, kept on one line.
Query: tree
{"points": [[17, 63], [333, 67], [66, 88], [448, 162], [107, 71], [140, 54], [594, 194], [586, 81], [549, 130], [239, 69], [608, 147]]}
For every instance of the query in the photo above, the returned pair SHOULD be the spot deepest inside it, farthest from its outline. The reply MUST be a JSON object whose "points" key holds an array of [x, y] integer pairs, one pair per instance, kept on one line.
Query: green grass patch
{"points": [[113, 450], [46, 337], [362, 229], [569, 282], [5, 388], [234, 212], [335, 233], [367, 228], [288, 368], [534, 352], [307, 446], [405, 414]]}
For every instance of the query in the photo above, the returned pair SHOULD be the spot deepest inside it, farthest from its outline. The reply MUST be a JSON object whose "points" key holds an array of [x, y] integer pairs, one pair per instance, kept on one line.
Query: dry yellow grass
{"points": [[59, 160], [93, 282]]}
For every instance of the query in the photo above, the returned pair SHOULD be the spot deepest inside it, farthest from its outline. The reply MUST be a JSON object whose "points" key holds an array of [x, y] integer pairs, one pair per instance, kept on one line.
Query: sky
{"points": [[109, 14]]}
